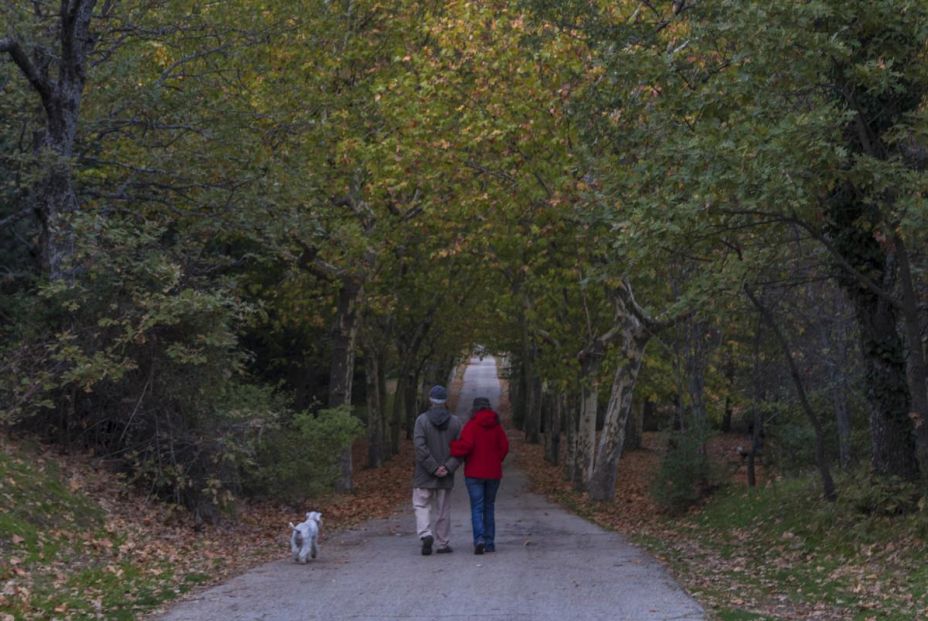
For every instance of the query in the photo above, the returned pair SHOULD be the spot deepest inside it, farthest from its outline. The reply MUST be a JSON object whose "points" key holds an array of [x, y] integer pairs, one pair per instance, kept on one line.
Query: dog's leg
{"points": [[314, 549]]}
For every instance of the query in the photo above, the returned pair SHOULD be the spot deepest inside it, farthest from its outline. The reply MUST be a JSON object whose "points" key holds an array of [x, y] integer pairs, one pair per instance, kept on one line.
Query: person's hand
{"points": [[441, 472]]}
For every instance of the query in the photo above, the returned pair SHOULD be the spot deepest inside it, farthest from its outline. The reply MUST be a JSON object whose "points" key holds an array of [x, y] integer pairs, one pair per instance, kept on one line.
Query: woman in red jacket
{"points": [[484, 445]]}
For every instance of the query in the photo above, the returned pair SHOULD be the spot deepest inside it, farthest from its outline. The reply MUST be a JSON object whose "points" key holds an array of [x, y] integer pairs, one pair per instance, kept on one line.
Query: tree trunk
{"points": [[916, 367], [892, 433], [887, 390], [532, 421], [341, 373], [553, 428], [730, 390], [382, 391], [517, 394], [374, 411], [696, 360], [547, 413], [679, 413], [344, 337], [53, 194], [399, 411], [757, 397], [633, 429], [843, 422], [411, 400], [757, 432], [603, 479], [586, 433], [56, 201], [535, 420], [836, 342], [647, 417], [570, 430], [821, 460]]}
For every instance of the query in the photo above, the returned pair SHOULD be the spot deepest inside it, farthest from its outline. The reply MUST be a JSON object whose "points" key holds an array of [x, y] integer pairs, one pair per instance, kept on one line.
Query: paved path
{"points": [[549, 566]]}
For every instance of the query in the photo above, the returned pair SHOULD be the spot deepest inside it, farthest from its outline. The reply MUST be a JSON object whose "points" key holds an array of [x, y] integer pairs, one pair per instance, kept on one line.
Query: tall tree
{"points": [[55, 65]]}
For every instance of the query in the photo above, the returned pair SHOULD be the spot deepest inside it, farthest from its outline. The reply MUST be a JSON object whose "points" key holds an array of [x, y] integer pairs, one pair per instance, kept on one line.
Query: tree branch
{"points": [[15, 217], [864, 280], [70, 15], [654, 326], [310, 261], [18, 54]]}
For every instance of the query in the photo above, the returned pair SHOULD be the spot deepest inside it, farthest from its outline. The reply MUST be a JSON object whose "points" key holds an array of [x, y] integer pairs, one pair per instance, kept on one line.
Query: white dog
{"points": [[304, 536]]}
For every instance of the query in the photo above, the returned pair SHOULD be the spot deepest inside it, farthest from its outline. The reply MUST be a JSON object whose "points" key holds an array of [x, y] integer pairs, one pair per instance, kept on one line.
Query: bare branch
{"points": [[15, 217], [75, 37], [190, 58], [503, 176], [548, 337], [844, 263], [30, 71], [313, 263], [107, 9], [654, 326]]}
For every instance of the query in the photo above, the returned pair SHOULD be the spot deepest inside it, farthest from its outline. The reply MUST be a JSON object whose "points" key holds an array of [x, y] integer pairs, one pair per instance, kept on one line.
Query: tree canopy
{"points": [[217, 215]]}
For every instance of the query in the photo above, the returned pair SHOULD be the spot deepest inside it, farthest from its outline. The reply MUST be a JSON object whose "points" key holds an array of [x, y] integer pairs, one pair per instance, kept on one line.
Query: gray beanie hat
{"points": [[438, 394]]}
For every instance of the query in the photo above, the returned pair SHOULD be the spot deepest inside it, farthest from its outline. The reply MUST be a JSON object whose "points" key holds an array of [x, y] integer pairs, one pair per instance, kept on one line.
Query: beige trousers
{"points": [[433, 513]]}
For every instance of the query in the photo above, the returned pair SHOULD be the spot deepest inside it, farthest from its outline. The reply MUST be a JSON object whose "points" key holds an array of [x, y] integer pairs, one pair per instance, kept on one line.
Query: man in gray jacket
{"points": [[434, 474]]}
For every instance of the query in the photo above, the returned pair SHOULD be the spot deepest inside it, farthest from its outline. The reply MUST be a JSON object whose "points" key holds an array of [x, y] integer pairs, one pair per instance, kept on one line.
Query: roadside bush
{"points": [[686, 475], [137, 358], [790, 446], [299, 459], [865, 493]]}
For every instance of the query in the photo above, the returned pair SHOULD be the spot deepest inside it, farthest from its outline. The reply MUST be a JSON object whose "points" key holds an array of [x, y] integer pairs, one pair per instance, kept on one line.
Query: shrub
{"points": [[686, 475], [300, 458], [137, 358], [869, 494], [790, 446]]}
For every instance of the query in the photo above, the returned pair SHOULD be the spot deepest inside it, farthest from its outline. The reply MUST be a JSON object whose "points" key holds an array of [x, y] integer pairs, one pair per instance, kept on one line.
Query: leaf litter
{"points": [[749, 568], [119, 554]]}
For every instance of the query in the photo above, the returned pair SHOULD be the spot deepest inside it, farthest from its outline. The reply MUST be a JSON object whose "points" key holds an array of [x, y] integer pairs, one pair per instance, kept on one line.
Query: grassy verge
{"points": [[64, 555], [780, 552], [76, 542], [776, 552]]}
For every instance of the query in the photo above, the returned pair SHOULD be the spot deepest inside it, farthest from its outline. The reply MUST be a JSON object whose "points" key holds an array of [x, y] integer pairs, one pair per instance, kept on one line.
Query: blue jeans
{"points": [[482, 494]]}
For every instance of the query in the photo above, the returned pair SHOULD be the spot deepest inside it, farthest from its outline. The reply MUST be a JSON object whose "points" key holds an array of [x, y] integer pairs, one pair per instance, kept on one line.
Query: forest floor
{"points": [[77, 542], [775, 552]]}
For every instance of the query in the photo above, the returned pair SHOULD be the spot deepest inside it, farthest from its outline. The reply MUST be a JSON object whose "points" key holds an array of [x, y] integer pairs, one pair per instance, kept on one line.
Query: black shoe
{"points": [[445, 550], [427, 545], [489, 548], [479, 548]]}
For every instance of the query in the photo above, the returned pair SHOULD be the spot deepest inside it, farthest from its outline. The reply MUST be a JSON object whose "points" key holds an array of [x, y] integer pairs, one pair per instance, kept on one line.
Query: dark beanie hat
{"points": [[438, 394], [481, 403]]}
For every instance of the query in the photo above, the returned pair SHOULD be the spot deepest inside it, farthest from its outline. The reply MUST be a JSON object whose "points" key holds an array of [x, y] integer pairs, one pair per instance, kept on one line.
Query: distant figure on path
{"points": [[483, 445], [434, 474]]}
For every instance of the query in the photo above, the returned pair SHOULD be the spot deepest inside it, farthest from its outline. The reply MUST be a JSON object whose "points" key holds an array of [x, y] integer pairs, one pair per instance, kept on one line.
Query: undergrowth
{"points": [[781, 552], [774, 552], [59, 556]]}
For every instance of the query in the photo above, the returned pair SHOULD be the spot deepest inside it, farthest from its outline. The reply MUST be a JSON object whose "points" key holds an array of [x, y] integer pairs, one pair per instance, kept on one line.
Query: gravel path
{"points": [[549, 566]]}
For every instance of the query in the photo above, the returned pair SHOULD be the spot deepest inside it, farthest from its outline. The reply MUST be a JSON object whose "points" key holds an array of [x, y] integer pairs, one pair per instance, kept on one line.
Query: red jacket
{"points": [[484, 445]]}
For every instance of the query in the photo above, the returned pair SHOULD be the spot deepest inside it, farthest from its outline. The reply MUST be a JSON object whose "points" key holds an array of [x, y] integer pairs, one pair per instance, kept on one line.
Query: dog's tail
{"points": [[292, 526]]}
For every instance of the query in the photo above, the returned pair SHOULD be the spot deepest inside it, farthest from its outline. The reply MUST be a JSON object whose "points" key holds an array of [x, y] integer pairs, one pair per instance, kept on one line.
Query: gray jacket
{"points": [[432, 436]]}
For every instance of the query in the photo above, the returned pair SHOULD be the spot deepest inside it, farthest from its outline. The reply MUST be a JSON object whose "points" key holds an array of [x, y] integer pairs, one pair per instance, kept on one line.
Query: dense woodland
{"points": [[229, 229]]}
